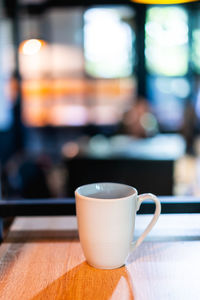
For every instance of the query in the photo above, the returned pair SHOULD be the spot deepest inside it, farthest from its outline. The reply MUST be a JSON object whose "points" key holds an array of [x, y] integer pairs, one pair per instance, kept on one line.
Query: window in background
{"points": [[52, 77], [196, 50], [168, 98], [109, 53], [108, 42], [6, 74], [55, 64], [166, 41], [195, 59], [166, 55]]}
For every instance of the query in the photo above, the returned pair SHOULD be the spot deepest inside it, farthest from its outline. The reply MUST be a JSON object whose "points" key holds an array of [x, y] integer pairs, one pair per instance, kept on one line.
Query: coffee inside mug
{"points": [[107, 190]]}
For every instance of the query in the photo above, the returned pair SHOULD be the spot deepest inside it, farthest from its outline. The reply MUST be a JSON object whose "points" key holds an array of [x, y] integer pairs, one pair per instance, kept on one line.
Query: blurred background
{"points": [[99, 92]]}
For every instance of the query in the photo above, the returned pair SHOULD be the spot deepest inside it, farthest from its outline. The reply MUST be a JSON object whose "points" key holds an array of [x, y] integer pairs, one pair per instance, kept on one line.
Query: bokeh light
{"points": [[31, 47]]}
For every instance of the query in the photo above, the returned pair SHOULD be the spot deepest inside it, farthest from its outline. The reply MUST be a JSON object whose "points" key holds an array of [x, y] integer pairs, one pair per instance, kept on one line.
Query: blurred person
{"points": [[25, 177], [139, 121]]}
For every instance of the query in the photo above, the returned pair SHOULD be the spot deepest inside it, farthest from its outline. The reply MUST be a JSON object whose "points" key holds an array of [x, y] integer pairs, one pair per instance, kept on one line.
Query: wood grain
{"points": [[34, 266]]}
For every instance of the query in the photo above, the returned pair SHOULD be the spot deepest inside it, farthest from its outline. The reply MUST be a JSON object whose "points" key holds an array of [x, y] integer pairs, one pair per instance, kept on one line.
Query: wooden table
{"points": [[41, 258]]}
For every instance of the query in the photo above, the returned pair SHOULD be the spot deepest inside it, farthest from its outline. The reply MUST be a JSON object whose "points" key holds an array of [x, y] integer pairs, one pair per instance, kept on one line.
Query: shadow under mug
{"points": [[106, 220]]}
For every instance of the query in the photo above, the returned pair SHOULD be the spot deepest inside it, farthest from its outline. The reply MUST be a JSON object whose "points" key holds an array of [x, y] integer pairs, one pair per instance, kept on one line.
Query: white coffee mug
{"points": [[106, 220]]}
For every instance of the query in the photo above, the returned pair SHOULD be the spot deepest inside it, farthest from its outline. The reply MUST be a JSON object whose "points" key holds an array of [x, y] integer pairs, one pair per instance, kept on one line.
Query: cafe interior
{"points": [[97, 91], [100, 92]]}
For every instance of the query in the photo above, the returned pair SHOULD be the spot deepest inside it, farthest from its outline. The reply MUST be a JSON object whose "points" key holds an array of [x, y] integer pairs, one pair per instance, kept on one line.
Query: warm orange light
{"points": [[163, 1], [31, 47]]}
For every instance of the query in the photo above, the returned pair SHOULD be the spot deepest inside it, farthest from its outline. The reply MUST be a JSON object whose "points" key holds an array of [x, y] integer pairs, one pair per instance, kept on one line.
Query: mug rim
{"points": [[132, 191]]}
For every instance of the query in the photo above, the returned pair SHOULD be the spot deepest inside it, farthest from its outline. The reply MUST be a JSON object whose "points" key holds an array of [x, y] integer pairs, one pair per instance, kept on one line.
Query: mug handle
{"points": [[140, 199]]}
